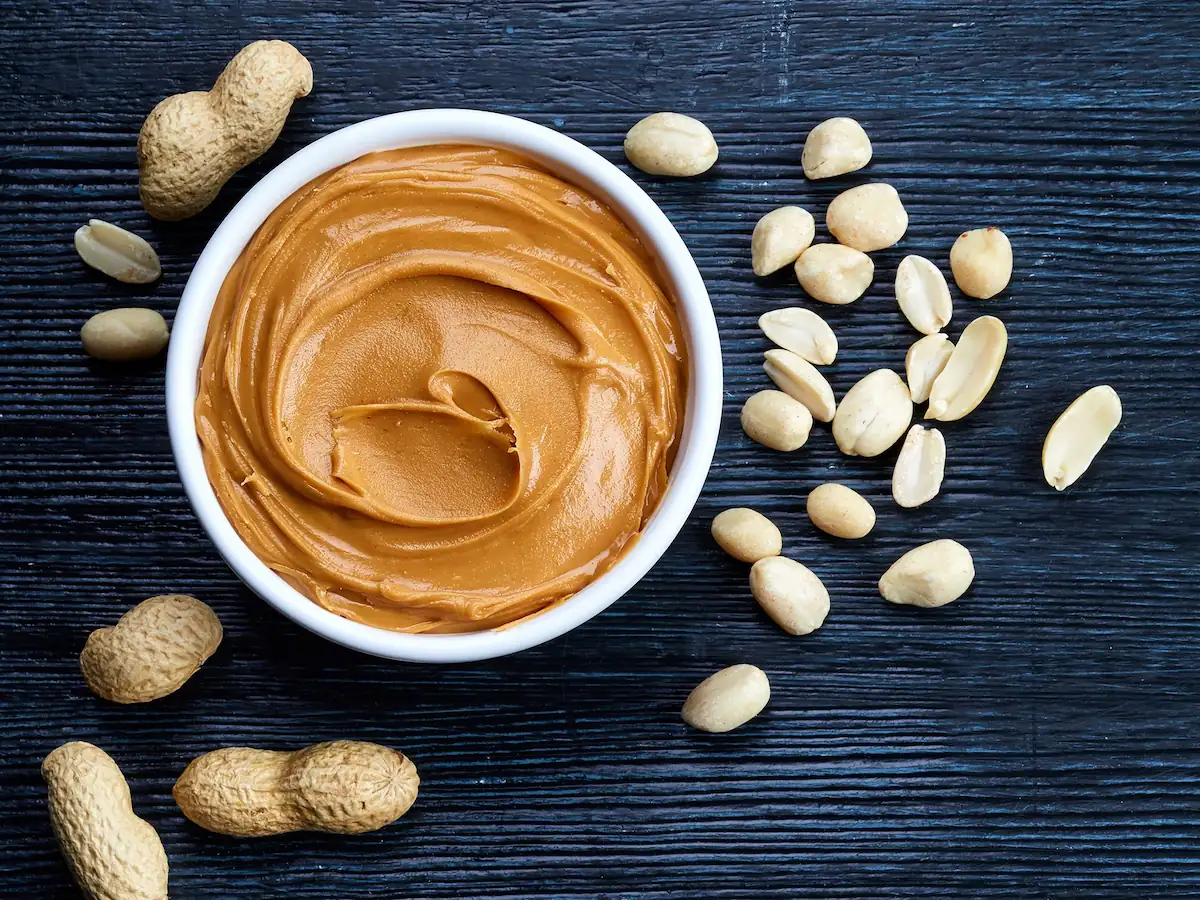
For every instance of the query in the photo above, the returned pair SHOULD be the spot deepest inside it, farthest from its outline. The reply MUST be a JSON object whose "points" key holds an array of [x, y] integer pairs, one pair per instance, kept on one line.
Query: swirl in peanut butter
{"points": [[441, 390]]}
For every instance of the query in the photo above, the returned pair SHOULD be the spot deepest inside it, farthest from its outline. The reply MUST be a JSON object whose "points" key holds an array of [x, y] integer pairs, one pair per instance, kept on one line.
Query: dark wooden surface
{"points": [[1036, 739]]}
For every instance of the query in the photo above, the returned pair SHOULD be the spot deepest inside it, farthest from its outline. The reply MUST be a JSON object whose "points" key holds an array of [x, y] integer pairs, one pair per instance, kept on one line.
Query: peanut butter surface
{"points": [[441, 390]]}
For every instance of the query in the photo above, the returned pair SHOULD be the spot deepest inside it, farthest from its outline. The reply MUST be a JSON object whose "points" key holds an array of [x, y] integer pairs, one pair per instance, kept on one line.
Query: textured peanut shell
{"points": [[191, 144], [112, 854], [342, 787], [154, 648]]}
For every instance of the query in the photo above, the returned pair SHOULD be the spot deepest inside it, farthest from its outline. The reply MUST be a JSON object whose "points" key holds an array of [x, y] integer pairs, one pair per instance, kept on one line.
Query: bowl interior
{"points": [[575, 163]]}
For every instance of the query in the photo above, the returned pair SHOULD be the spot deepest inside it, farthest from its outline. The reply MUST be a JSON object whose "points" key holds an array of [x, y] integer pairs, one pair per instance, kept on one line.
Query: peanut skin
{"points": [[191, 144], [112, 854], [343, 787]]}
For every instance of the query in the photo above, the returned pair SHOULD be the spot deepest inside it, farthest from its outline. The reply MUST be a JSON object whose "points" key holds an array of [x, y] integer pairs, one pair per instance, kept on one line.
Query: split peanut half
{"points": [[802, 332], [117, 253], [1078, 434], [780, 237], [971, 370], [924, 363], [917, 477], [800, 379], [873, 414], [923, 295]]}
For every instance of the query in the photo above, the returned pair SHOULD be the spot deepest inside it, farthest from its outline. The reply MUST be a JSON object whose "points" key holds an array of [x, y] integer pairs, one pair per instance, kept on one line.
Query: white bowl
{"points": [[577, 164]]}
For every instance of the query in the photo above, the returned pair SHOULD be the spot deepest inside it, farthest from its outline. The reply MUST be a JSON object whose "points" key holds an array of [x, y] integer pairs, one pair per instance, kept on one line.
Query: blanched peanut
{"points": [[1078, 434], [780, 237], [982, 262], [776, 420], [833, 273], [835, 147], [868, 217], [840, 511], [746, 535], [801, 380], [668, 143], [970, 372], [923, 295], [727, 699], [933, 574], [116, 252], [790, 594], [125, 334], [920, 467], [802, 332], [873, 414], [924, 363]]}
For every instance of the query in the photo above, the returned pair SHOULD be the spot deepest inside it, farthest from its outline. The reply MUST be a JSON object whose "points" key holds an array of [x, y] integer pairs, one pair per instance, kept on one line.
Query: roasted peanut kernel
{"points": [[776, 420], [840, 511], [1078, 434], [835, 147], [746, 534], [833, 273], [868, 217], [117, 253], [727, 699], [923, 295], [970, 372], [982, 262], [933, 574], [780, 237], [790, 594], [917, 477], [873, 414], [924, 363], [801, 380], [668, 143], [802, 332], [120, 335]]}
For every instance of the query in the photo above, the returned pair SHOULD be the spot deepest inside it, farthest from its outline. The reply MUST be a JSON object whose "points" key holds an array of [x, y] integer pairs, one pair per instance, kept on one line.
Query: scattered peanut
{"points": [[970, 372], [117, 253], [776, 420], [933, 574], [982, 262], [342, 787], [917, 477], [835, 147], [868, 217], [780, 237], [840, 511], [923, 295], [727, 699], [833, 273], [191, 144], [746, 535], [121, 335], [668, 143], [924, 363], [1078, 434], [801, 331], [873, 414], [154, 648], [801, 380], [112, 854], [790, 594]]}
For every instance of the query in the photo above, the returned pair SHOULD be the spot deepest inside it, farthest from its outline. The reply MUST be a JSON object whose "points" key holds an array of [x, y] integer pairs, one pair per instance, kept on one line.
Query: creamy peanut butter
{"points": [[441, 390]]}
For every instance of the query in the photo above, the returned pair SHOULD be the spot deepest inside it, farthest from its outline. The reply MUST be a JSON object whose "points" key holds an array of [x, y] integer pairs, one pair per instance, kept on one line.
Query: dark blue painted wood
{"points": [[1037, 739]]}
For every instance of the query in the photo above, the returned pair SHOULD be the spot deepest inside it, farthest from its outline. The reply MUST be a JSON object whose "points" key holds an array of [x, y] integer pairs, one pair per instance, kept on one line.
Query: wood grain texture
{"points": [[1036, 739]]}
